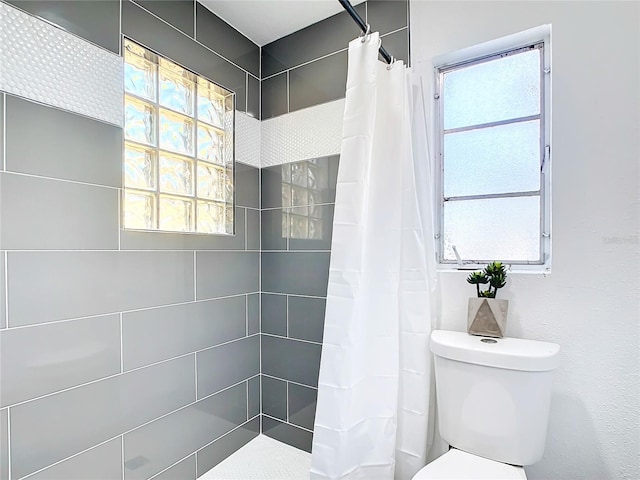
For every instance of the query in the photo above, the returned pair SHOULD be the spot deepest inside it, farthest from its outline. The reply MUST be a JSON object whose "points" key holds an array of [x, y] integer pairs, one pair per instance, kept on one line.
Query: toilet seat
{"points": [[459, 465]]}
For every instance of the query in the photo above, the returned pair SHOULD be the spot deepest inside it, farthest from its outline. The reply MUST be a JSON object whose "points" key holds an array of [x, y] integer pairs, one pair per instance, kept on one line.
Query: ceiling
{"points": [[264, 21]]}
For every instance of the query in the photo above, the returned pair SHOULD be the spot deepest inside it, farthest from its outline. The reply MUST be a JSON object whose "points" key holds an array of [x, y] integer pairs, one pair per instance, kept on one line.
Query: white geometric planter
{"points": [[487, 317]]}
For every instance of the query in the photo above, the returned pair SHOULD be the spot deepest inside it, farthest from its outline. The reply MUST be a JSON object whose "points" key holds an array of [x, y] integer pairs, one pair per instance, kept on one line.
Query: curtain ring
{"points": [[392, 63], [364, 35]]}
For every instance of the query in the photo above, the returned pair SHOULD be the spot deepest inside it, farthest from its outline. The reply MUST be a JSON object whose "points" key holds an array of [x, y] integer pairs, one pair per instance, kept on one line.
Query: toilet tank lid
{"points": [[507, 353]]}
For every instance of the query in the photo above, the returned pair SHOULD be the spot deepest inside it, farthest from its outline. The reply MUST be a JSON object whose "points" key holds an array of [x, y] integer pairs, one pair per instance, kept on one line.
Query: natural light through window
{"points": [[178, 150], [492, 152]]}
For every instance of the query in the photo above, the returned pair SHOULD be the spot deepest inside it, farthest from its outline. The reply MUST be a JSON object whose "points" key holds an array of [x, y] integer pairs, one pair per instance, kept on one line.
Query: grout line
{"points": [[126, 373], [120, 194], [286, 301], [121, 346], [246, 315], [247, 390], [9, 441], [75, 455], [288, 423], [122, 453], [286, 400], [195, 276], [195, 19], [290, 381], [293, 339], [193, 40], [22, 174], [195, 366], [288, 94], [124, 311], [294, 294], [246, 230], [5, 273], [297, 206]]}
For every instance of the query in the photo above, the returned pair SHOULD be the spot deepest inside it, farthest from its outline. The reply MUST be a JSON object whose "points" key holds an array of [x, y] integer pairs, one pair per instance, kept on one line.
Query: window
{"points": [[178, 148], [493, 157]]}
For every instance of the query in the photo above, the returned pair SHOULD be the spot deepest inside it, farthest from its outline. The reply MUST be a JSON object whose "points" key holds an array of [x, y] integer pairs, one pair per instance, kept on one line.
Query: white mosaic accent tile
{"points": [[46, 64], [247, 139], [309, 133], [263, 459]]}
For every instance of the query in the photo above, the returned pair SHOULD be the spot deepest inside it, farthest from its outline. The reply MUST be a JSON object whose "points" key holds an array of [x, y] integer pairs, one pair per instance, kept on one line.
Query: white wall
{"points": [[589, 304]]}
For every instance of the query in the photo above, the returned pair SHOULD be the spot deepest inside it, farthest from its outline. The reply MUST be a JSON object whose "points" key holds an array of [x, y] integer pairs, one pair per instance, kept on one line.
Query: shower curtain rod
{"points": [[364, 27]]}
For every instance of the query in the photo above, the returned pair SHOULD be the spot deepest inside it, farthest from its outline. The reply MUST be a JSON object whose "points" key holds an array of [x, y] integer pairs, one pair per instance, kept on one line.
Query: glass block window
{"points": [[178, 147], [492, 153]]}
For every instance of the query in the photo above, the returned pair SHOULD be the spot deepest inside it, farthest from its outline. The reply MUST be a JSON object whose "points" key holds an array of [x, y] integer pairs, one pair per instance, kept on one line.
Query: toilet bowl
{"points": [[493, 405], [459, 465]]}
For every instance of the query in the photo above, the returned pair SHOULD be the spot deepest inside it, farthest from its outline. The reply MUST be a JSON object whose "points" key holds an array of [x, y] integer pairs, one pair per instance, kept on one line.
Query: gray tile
{"points": [[397, 45], [253, 399], [320, 227], [221, 37], [157, 334], [226, 273], [297, 273], [140, 240], [318, 82], [283, 432], [253, 313], [253, 97], [253, 229], [4, 444], [69, 146], [306, 318], [274, 314], [213, 454], [301, 363], [225, 365], [179, 13], [271, 186], [274, 96], [53, 428], [97, 21], [153, 447], [317, 40], [80, 284], [184, 470], [302, 405], [3, 320], [160, 37], [247, 185], [43, 214], [273, 236], [99, 463], [46, 358], [385, 16], [274, 397]]}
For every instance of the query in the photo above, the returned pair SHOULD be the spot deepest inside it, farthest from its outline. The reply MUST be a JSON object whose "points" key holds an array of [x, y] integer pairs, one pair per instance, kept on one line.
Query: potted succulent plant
{"points": [[487, 315]]}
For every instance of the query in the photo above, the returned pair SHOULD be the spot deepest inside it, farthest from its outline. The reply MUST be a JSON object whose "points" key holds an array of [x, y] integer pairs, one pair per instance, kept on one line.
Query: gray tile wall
{"points": [[309, 67], [123, 355], [295, 266]]}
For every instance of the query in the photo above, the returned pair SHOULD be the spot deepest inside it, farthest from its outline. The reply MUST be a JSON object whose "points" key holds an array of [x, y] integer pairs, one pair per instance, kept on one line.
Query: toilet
{"points": [[493, 405]]}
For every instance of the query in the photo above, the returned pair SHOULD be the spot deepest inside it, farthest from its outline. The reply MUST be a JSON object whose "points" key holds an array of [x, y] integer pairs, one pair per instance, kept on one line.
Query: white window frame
{"points": [[478, 54]]}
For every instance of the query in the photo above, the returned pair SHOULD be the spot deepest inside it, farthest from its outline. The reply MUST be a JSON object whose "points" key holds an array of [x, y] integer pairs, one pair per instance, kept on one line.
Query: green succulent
{"points": [[477, 279], [495, 274]]}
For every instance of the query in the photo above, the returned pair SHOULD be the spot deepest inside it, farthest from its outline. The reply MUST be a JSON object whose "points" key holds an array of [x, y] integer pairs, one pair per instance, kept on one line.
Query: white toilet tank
{"points": [[494, 394]]}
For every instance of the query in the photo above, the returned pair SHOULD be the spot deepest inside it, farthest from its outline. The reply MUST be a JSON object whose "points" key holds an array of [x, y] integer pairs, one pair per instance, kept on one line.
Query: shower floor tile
{"points": [[263, 459]]}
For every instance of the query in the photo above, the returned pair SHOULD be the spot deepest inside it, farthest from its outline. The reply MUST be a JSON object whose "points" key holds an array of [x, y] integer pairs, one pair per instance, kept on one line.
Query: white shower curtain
{"points": [[373, 410]]}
